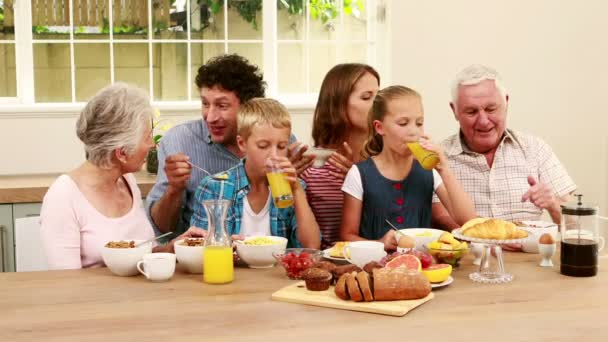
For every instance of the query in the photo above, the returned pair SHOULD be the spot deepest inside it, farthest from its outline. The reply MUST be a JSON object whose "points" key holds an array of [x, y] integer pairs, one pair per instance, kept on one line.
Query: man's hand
{"points": [[296, 157], [540, 194], [178, 171]]}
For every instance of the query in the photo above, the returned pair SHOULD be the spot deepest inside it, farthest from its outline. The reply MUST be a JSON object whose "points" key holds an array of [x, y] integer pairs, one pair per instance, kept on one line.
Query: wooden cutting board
{"points": [[298, 294]]}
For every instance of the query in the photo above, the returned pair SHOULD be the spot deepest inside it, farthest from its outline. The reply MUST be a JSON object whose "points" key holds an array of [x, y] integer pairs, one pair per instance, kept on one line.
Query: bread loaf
{"points": [[399, 284], [352, 286], [365, 284], [340, 289]]}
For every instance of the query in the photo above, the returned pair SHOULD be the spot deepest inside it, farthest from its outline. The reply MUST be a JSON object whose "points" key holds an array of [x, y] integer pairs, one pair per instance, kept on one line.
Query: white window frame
{"points": [[378, 36]]}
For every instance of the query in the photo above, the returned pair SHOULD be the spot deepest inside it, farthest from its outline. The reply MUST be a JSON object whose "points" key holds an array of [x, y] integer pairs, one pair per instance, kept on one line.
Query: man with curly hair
{"points": [[224, 83]]}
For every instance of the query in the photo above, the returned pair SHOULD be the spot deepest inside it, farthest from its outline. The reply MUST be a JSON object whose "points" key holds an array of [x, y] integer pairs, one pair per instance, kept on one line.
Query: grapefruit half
{"points": [[407, 260]]}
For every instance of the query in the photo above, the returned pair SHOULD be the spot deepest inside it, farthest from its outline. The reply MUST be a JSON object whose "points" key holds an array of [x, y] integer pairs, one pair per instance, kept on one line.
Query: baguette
{"points": [[353, 287], [365, 284], [399, 284]]}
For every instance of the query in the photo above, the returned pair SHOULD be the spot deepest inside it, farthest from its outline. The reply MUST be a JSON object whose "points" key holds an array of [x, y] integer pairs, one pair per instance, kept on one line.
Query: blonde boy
{"points": [[264, 128]]}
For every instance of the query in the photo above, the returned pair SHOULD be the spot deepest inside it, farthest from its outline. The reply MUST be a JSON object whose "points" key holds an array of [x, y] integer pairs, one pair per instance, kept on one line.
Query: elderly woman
{"points": [[99, 201]]}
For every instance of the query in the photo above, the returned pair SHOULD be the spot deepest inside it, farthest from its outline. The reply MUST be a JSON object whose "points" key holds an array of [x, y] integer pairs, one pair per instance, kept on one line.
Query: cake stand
{"points": [[490, 271]]}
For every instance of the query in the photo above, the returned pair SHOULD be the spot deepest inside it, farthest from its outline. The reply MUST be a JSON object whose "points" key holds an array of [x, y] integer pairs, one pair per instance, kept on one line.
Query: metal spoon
{"points": [[198, 167], [394, 228], [154, 238]]}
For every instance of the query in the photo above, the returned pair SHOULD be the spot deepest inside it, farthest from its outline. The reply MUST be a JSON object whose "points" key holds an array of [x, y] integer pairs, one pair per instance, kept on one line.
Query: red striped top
{"points": [[326, 200]]}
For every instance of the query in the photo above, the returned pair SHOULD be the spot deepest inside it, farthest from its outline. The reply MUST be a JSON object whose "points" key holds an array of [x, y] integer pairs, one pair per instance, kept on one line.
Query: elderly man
{"points": [[198, 148], [509, 174]]}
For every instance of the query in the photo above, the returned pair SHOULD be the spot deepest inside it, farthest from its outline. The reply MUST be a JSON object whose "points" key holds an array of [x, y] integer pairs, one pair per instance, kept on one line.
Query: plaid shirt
{"points": [[497, 191], [233, 185]]}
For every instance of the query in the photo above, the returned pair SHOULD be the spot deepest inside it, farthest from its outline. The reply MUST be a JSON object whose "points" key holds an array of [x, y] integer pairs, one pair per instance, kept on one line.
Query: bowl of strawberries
{"points": [[296, 260]]}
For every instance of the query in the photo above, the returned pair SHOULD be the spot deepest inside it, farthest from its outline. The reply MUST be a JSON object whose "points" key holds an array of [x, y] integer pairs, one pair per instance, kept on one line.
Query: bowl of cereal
{"points": [[257, 251], [189, 254], [121, 257]]}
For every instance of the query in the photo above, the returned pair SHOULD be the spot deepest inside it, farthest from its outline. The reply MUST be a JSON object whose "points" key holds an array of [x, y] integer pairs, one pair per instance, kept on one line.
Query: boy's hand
{"points": [[288, 169], [427, 144]]}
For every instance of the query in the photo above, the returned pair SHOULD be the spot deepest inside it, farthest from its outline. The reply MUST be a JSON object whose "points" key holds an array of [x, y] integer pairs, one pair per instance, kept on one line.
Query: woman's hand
{"points": [[342, 162], [297, 158]]}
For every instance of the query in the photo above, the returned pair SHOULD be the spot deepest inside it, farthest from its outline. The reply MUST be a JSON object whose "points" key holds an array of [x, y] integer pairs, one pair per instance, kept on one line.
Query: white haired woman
{"points": [[99, 201]]}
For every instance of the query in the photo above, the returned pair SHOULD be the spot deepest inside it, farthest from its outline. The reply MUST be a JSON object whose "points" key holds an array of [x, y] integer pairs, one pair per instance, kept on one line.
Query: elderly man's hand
{"points": [[297, 158], [178, 171], [540, 194]]}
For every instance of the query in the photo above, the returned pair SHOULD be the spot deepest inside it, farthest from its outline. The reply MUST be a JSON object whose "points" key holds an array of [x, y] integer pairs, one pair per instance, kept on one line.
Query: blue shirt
{"points": [[233, 185], [192, 139]]}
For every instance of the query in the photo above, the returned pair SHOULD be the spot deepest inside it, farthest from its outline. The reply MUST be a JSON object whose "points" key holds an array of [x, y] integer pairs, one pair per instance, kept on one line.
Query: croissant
{"points": [[494, 229]]}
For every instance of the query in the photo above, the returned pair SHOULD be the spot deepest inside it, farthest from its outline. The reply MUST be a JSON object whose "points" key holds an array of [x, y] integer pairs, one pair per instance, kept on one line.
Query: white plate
{"points": [[537, 224], [458, 234], [327, 255], [442, 284]]}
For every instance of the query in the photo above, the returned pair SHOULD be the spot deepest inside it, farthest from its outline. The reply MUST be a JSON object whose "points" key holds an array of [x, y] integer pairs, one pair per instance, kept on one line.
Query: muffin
{"points": [[316, 279]]}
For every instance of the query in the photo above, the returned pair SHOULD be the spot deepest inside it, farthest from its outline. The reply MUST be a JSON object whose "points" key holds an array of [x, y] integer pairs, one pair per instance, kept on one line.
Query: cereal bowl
{"points": [[321, 155], [422, 236], [123, 261], [189, 254], [257, 251], [296, 260]]}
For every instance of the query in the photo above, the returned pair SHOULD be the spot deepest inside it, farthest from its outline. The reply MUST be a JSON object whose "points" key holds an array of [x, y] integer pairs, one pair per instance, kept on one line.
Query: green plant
{"points": [[159, 127], [40, 29]]}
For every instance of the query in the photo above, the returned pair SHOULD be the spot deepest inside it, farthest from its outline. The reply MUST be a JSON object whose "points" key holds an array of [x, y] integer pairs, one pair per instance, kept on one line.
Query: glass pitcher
{"points": [[218, 264], [580, 239]]}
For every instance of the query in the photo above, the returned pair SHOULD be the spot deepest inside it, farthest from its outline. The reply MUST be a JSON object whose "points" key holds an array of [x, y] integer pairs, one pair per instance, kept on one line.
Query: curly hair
{"points": [[232, 73]]}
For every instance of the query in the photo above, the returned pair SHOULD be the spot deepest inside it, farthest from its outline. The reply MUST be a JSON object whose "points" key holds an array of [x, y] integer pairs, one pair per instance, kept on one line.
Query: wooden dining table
{"points": [[94, 305]]}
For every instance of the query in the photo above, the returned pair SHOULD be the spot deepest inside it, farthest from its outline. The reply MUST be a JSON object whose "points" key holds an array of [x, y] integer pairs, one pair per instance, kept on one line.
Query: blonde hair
{"points": [[259, 111], [474, 74], [374, 143], [115, 118]]}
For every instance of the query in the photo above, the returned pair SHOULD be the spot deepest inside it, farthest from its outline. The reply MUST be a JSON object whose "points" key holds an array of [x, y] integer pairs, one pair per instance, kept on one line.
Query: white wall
{"points": [[551, 54]]}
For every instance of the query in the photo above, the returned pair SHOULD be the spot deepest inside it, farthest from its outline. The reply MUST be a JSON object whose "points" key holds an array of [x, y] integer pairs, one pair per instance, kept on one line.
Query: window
{"points": [[72, 48]]}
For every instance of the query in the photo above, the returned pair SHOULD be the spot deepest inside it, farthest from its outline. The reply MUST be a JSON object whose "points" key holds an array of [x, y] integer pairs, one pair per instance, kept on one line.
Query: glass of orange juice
{"points": [[427, 159], [279, 187]]}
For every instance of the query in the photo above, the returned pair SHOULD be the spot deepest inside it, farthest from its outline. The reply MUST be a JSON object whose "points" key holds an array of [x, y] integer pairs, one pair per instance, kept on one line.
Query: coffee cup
{"points": [[361, 252], [530, 245], [157, 266]]}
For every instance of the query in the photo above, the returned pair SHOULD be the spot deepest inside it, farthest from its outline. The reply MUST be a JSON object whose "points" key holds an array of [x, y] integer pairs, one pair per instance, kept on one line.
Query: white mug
{"points": [[530, 245], [362, 252], [157, 266]]}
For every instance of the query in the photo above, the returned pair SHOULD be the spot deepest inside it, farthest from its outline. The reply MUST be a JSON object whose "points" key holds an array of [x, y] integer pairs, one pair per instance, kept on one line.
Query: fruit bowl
{"points": [[296, 260], [445, 255]]}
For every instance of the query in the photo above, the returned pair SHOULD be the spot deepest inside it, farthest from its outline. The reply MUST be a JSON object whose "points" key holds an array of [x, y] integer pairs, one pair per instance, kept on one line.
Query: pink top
{"points": [[73, 231], [326, 199]]}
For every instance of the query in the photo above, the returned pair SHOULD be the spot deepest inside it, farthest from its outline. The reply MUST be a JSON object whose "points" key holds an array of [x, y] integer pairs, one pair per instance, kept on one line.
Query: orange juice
{"points": [[280, 189], [427, 159], [218, 265]]}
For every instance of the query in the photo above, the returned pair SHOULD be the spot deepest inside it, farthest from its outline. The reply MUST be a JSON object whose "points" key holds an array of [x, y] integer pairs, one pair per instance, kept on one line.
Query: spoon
{"points": [[154, 238], [394, 228], [198, 167]]}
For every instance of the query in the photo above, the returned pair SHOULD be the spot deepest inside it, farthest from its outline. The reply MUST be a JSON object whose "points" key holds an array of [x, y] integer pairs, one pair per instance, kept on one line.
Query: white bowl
{"points": [[189, 257], [123, 261], [260, 256], [422, 236], [536, 229], [321, 155]]}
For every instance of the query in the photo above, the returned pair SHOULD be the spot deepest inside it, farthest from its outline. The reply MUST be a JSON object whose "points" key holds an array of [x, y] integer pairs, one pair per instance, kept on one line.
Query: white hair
{"points": [[115, 118], [475, 74]]}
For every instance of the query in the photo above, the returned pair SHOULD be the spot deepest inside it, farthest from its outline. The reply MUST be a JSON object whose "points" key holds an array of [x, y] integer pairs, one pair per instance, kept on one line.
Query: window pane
{"points": [[131, 64], [170, 71], [52, 78], [169, 22], [201, 52], [92, 67], [291, 68], [207, 20], [8, 81], [51, 19], [91, 19], [291, 22], [253, 52], [130, 18], [324, 18], [245, 19], [7, 25], [352, 53], [322, 57], [355, 21]]}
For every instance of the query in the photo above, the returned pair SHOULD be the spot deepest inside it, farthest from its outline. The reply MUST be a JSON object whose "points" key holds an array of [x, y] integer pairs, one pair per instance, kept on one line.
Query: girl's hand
{"points": [[427, 144], [389, 241], [288, 170], [341, 162]]}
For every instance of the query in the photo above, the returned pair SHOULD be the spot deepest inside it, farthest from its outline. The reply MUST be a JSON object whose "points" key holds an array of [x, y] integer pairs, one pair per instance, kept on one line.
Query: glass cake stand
{"points": [[491, 270]]}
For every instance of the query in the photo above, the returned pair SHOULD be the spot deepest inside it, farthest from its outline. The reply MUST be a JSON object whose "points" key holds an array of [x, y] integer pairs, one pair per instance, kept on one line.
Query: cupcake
{"points": [[316, 279]]}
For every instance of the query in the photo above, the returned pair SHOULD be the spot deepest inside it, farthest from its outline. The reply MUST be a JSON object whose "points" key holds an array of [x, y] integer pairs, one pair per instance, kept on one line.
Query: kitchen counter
{"points": [[94, 305], [31, 188]]}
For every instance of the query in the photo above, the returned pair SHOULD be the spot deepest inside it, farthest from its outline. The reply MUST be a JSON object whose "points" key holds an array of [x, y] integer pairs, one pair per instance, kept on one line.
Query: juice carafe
{"points": [[218, 266]]}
